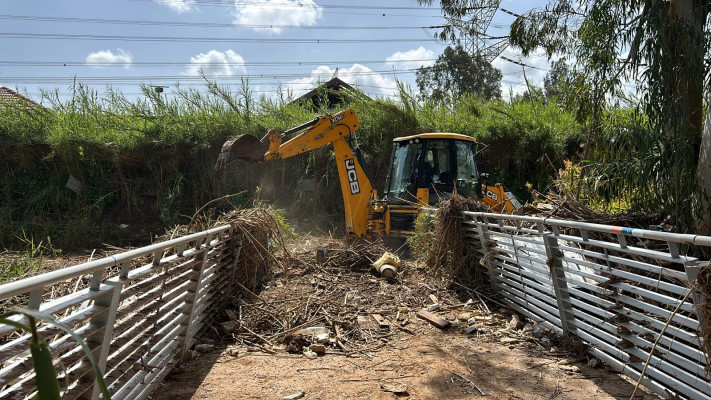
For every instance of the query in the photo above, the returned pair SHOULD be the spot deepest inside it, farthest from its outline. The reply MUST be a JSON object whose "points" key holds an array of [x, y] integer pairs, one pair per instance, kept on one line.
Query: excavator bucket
{"points": [[243, 147]]}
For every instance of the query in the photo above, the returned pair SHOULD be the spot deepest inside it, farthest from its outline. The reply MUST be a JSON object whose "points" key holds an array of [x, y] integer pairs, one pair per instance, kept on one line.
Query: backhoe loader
{"points": [[424, 169]]}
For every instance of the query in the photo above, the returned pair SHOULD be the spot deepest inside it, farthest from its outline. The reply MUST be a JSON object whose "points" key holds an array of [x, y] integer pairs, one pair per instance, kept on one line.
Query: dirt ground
{"points": [[410, 358], [429, 365]]}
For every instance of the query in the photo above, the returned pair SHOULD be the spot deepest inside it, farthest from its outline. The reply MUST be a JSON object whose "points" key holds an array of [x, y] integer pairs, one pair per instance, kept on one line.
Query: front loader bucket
{"points": [[243, 147]]}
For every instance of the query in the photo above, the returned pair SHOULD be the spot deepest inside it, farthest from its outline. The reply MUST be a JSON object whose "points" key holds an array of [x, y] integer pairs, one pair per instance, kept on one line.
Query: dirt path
{"points": [[430, 365]]}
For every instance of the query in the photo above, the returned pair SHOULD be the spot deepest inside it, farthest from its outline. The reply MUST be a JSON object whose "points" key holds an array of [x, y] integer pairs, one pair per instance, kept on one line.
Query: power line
{"points": [[202, 24], [329, 10], [66, 36], [147, 78], [511, 12], [178, 64], [522, 63], [294, 5], [192, 79]]}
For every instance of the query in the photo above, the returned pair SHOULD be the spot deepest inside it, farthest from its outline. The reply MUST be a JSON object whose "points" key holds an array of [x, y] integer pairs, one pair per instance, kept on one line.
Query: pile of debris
{"points": [[342, 306]]}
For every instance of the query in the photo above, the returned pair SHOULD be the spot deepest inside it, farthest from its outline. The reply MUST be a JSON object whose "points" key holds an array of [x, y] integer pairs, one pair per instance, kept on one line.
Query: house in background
{"points": [[332, 93], [10, 98]]}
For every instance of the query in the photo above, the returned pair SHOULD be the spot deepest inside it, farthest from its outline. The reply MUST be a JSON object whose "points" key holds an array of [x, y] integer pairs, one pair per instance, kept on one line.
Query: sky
{"points": [[289, 44]]}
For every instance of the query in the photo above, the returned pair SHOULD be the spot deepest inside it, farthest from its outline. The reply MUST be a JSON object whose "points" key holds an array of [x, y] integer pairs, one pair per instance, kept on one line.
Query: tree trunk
{"points": [[687, 46], [703, 173], [692, 14]]}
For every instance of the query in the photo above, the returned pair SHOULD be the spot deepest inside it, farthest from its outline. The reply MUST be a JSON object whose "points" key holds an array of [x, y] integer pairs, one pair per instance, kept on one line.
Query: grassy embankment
{"points": [[147, 164]]}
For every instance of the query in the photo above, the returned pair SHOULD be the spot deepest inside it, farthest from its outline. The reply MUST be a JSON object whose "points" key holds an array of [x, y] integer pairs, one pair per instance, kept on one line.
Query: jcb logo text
{"points": [[352, 176]]}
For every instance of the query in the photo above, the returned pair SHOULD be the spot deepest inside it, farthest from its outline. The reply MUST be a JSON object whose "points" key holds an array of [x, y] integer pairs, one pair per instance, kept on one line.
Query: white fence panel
{"points": [[611, 286], [139, 315]]}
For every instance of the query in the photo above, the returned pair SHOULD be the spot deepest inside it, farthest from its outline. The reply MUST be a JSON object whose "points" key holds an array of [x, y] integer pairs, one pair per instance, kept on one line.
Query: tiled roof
{"points": [[8, 95]]}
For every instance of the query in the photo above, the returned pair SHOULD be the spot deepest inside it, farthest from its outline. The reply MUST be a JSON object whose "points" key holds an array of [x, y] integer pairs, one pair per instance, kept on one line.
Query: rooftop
{"points": [[8, 96]]}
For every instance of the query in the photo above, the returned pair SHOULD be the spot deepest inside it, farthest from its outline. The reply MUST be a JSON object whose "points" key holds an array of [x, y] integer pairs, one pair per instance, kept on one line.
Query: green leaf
{"points": [[53, 321]]}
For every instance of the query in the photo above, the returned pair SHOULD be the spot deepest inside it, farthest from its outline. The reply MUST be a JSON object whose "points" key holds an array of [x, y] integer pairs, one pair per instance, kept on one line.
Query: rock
{"points": [[480, 329], [594, 363], [399, 389], [515, 323], [464, 316], [318, 349], [322, 338], [310, 354]]}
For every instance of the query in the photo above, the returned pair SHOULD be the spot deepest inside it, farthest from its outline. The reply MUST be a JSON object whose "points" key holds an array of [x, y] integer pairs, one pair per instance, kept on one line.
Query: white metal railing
{"points": [[138, 322], [618, 289]]}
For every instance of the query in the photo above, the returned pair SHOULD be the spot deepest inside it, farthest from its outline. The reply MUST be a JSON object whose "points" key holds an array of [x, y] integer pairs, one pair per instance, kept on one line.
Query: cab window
{"points": [[400, 185], [467, 172]]}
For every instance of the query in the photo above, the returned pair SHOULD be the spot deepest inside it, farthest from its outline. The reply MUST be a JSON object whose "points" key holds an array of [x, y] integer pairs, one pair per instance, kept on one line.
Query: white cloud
{"points": [[411, 59], [215, 64], [179, 6], [277, 12], [105, 57], [366, 79]]}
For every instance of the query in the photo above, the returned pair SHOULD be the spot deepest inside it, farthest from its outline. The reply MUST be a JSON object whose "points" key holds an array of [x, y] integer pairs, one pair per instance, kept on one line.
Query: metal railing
{"points": [[625, 292], [139, 315]]}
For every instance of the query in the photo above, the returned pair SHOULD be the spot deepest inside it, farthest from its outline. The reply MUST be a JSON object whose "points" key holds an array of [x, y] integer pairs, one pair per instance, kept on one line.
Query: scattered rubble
{"points": [[341, 305]]}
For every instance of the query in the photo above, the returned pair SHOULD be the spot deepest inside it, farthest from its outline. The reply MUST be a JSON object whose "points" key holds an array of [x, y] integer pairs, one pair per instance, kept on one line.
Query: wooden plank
{"points": [[382, 322], [433, 319]]}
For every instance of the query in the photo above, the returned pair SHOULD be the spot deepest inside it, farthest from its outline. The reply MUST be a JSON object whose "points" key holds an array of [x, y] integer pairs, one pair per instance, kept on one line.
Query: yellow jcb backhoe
{"points": [[423, 169]]}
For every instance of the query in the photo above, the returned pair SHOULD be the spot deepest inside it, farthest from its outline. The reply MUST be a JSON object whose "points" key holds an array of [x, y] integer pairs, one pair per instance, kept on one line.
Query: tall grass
{"points": [[147, 163]]}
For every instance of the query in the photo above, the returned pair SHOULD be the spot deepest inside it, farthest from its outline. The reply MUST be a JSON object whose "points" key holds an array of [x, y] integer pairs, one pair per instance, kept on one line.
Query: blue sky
{"points": [[290, 43]]}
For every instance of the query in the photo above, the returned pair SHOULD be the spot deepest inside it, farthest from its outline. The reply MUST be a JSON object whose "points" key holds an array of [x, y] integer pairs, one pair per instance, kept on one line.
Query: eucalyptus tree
{"points": [[662, 47], [457, 73]]}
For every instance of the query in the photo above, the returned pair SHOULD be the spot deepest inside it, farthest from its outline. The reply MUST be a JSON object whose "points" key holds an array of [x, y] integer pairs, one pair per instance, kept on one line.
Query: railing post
{"points": [[110, 300], [484, 239], [562, 296], [191, 305], [699, 300]]}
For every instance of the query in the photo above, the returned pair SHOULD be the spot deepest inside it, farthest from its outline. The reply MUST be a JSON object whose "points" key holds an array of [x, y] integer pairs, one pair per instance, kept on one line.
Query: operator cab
{"points": [[434, 161]]}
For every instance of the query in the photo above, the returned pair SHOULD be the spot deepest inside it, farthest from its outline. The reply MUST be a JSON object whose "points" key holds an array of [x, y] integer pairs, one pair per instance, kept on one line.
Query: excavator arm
{"points": [[356, 188]]}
